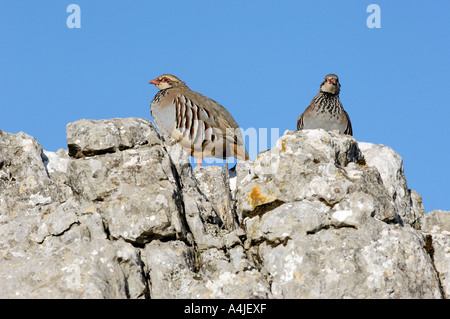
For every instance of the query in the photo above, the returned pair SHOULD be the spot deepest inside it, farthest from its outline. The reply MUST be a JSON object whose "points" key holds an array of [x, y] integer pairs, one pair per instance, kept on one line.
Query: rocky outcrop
{"points": [[122, 214]]}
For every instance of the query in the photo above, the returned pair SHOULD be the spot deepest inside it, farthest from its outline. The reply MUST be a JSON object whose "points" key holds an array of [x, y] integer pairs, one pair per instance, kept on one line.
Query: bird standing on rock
{"points": [[203, 127], [326, 110]]}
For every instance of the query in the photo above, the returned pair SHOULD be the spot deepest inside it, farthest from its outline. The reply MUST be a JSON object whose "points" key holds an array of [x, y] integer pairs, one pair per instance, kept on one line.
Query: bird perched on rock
{"points": [[326, 110], [203, 127]]}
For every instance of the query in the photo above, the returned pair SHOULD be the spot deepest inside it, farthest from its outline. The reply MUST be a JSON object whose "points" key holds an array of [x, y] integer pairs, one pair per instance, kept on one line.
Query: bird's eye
{"points": [[165, 80]]}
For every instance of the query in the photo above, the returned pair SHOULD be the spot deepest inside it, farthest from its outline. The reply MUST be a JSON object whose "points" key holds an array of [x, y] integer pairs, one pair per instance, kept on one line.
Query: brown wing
{"points": [[300, 123], [212, 120], [349, 129]]}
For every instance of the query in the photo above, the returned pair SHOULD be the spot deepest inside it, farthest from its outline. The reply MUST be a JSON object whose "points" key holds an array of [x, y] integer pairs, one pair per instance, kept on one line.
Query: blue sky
{"points": [[263, 60]]}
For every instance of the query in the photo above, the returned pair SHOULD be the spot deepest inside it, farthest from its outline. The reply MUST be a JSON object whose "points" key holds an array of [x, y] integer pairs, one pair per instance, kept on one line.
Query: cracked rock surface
{"points": [[122, 214]]}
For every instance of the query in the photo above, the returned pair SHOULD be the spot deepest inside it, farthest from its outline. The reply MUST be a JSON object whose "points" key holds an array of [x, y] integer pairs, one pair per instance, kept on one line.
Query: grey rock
{"points": [[312, 165], [214, 184], [349, 263], [390, 166], [134, 191], [53, 245], [201, 217], [440, 252], [436, 228], [26, 191], [95, 137], [281, 223], [77, 263], [436, 222], [177, 271], [92, 137], [122, 214]]}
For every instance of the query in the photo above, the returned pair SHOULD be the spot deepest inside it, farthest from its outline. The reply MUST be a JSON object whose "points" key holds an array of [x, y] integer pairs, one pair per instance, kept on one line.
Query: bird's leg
{"points": [[199, 161], [230, 218]]}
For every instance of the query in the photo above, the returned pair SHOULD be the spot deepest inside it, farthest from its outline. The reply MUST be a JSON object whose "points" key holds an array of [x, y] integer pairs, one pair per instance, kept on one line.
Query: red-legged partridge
{"points": [[326, 110], [203, 127]]}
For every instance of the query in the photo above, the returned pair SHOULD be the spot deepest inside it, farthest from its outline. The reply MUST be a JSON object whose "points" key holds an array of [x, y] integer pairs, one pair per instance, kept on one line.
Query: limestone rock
{"points": [[122, 214], [201, 217], [177, 271], [134, 190], [390, 166], [348, 263], [312, 165], [214, 184], [436, 222], [26, 192], [54, 246], [95, 137], [436, 228]]}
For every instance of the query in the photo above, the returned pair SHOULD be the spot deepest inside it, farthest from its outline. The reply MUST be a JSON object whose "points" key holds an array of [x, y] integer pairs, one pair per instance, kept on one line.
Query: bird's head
{"points": [[331, 84], [167, 81]]}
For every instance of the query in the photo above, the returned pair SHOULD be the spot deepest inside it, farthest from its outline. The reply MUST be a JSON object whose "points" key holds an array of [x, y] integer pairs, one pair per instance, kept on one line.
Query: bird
{"points": [[203, 127], [326, 110]]}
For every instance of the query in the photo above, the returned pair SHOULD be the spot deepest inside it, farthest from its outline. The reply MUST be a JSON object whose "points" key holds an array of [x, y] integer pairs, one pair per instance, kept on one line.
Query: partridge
{"points": [[203, 127], [326, 110]]}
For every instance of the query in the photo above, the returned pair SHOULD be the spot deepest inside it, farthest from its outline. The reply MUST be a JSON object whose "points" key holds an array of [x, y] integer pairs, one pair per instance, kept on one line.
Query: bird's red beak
{"points": [[155, 82], [333, 81]]}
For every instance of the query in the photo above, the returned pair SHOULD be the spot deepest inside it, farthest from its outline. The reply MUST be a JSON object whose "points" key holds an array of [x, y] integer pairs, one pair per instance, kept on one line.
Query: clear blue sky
{"points": [[263, 60]]}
